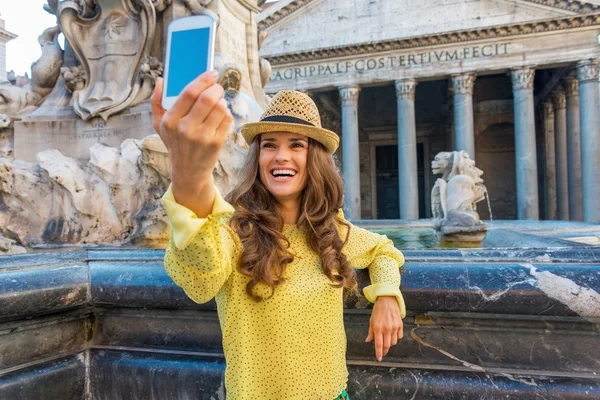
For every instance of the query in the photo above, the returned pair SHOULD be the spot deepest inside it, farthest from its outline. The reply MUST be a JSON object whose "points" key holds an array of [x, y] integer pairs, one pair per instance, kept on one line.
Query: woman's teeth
{"points": [[283, 172]]}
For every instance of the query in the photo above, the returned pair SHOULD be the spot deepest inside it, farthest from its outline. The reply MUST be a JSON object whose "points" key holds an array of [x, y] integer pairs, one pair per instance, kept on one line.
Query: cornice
{"points": [[281, 13], [579, 7], [6, 36], [491, 32]]}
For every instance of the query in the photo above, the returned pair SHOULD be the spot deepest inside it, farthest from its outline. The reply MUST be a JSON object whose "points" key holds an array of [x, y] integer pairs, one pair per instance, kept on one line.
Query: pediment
{"points": [[303, 25]]}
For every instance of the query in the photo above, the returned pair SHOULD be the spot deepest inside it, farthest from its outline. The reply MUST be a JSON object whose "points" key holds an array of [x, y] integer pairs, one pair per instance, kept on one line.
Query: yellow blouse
{"points": [[292, 346]]}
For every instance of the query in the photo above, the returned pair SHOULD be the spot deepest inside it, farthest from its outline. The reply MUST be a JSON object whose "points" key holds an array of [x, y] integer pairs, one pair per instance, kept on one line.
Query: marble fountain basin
{"points": [[516, 318]]}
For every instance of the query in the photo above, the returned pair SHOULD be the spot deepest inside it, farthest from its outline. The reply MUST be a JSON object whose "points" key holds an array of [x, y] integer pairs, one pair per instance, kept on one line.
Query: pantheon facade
{"points": [[514, 83]]}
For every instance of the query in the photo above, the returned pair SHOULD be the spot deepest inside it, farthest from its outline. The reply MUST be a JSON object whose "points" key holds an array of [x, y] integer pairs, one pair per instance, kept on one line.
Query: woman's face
{"points": [[282, 164]]}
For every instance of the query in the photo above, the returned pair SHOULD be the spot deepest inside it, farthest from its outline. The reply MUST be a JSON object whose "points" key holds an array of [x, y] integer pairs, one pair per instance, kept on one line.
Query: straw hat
{"points": [[292, 111]]}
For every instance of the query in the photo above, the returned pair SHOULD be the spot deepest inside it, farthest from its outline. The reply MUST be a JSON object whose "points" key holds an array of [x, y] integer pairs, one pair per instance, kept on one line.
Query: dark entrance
{"points": [[386, 170]]}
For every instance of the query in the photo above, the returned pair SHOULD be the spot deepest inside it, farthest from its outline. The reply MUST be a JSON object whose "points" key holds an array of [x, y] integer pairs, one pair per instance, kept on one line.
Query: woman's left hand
{"points": [[386, 325]]}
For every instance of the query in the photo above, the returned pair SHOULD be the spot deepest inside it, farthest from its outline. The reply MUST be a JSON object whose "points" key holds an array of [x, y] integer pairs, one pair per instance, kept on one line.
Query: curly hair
{"points": [[259, 223]]}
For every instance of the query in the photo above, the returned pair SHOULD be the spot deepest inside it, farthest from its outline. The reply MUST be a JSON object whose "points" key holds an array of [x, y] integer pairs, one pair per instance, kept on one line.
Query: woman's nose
{"points": [[282, 155]]}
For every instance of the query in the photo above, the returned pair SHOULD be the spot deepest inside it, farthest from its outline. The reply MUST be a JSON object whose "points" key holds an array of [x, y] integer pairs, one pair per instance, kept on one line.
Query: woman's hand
{"points": [[194, 130], [386, 325]]}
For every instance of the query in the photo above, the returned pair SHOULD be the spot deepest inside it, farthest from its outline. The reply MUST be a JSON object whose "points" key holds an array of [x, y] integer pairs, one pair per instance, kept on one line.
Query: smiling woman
{"points": [[278, 255]]}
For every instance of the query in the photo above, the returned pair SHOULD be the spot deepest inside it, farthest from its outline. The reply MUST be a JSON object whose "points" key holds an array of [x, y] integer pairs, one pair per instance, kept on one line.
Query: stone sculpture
{"points": [[117, 40], [454, 197], [113, 195], [15, 101]]}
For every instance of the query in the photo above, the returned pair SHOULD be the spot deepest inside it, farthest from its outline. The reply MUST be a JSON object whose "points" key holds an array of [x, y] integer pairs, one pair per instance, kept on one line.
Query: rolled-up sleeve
{"points": [[365, 249], [202, 252]]}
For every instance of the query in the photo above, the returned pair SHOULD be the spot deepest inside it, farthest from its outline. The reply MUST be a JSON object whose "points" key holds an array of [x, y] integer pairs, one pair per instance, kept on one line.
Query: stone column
{"points": [[350, 152], [587, 72], [525, 150], [407, 149], [573, 148], [464, 130], [560, 144], [550, 172]]}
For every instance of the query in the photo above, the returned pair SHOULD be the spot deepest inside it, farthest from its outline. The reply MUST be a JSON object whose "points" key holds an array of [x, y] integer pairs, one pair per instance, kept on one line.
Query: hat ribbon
{"points": [[286, 118]]}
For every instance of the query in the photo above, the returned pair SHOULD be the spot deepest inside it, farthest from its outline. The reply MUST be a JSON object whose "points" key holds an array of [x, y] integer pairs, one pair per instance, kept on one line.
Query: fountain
{"points": [[454, 197], [91, 313]]}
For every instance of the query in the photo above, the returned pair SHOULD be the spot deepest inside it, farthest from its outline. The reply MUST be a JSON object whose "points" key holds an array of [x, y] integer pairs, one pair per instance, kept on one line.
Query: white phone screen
{"points": [[188, 58]]}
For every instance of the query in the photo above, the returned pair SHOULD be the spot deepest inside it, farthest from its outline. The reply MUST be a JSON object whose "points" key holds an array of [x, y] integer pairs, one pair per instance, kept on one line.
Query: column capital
{"points": [[548, 109], [522, 78], [463, 83], [349, 95], [571, 85], [559, 100], [405, 89], [587, 70]]}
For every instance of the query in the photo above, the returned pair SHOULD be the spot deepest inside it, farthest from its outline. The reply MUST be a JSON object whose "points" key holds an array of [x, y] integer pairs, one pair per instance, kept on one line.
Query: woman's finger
{"points": [[215, 116], [378, 345], [225, 126], [187, 98], [205, 103], [156, 102], [387, 342], [370, 334]]}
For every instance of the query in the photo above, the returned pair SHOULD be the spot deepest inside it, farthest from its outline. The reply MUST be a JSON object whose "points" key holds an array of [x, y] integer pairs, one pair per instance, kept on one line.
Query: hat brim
{"points": [[326, 137]]}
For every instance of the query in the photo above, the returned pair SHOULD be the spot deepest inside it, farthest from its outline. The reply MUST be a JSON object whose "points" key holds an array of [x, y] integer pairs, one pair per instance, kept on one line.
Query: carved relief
{"points": [[110, 46], [587, 71], [571, 86], [463, 83], [405, 89], [522, 78], [349, 95], [559, 100]]}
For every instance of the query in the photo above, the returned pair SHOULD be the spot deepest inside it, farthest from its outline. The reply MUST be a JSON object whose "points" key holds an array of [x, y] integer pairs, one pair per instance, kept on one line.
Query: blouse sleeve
{"points": [[365, 249], [202, 252]]}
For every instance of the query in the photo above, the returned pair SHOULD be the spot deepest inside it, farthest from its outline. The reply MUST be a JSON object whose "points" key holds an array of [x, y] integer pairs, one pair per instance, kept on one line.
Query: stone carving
{"points": [[405, 89], [114, 196], [349, 95], [74, 78], [522, 78], [559, 100], [161, 5], [571, 86], [455, 195], [587, 70], [463, 83], [16, 102], [118, 36], [485, 33]]}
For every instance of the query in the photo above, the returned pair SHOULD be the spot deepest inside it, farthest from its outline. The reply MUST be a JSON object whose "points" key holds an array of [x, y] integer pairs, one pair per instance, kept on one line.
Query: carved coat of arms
{"points": [[110, 38]]}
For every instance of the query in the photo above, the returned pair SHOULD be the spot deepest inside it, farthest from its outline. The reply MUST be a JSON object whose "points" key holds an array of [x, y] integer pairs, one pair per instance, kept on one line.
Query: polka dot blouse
{"points": [[292, 346]]}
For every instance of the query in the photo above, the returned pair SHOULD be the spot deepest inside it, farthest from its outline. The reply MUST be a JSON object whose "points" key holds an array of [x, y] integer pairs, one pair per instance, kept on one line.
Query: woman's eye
{"points": [[297, 144]]}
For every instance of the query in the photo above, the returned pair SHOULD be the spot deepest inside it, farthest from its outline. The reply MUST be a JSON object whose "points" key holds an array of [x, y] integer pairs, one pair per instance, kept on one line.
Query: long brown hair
{"points": [[259, 222]]}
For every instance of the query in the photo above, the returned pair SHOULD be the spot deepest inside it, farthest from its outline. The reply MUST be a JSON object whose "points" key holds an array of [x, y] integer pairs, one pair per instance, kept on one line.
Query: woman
{"points": [[279, 254]]}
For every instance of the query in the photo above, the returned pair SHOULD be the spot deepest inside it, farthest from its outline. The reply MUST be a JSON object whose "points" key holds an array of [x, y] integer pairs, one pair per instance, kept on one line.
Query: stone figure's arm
{"points": [[202, 252], [365, 249]]}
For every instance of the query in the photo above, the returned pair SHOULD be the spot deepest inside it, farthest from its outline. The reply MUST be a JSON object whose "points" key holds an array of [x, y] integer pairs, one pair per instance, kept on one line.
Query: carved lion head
{"points": [[442, 162]]}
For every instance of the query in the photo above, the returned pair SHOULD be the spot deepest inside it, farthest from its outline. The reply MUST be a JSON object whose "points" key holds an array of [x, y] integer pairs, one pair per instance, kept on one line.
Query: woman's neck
{"points": [[290, 211]]}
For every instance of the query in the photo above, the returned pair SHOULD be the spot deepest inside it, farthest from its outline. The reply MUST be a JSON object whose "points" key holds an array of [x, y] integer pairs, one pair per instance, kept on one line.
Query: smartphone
{"points": [[190, 52]]}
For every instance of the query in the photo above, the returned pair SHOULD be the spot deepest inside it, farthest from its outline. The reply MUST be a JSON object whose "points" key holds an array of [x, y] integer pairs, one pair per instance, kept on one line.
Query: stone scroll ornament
{"points": [[455, 195], [111, 39]]}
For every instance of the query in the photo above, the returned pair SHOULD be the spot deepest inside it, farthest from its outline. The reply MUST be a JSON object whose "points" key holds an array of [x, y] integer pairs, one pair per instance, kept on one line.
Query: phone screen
{"points": [[188, 58]]}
